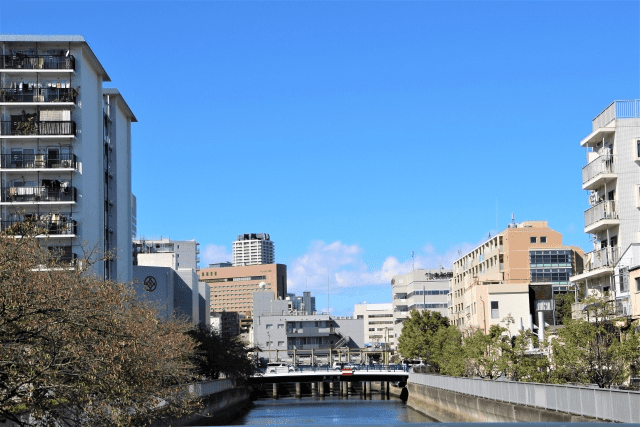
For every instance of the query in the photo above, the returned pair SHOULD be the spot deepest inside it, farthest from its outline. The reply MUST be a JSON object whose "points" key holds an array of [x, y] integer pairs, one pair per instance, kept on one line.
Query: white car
{"points": [[279, 368]]}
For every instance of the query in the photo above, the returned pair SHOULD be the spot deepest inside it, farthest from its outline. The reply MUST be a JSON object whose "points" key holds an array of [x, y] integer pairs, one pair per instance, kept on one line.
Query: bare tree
{"points": [[79, 350]]}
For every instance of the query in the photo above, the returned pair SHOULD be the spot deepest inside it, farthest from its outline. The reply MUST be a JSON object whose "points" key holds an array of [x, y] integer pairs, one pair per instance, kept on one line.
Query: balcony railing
{"points": [[39, 62], [603, 164], [605, 257], [48, 226], [599, 212], [37, 128], [37, 161], [47, 94], [38, 194]]}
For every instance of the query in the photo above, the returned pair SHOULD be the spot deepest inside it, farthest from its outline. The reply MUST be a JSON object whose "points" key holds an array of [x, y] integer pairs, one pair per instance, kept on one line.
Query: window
{"points": [[269, 326], [495, 314], [280, 343], [280, 325], [543, 239], [637, 284], [638, 148], [534, 240]]}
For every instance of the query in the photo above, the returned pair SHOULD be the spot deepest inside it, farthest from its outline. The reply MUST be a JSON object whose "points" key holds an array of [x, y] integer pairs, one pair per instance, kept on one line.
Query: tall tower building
{"points": [[65, 150], [252, 249]]}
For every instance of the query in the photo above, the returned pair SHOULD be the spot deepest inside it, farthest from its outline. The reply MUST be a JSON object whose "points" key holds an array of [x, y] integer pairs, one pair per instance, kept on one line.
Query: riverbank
{"points": [[449, 406]]}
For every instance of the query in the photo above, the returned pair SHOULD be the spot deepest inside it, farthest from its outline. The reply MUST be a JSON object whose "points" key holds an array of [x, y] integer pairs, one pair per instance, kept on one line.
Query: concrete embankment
{"points": [[450, 406], [218, 408]]}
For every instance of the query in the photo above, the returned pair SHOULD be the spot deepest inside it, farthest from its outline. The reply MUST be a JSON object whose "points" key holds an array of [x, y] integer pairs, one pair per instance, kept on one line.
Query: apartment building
{"points": [[65, 159], [253, 249], [305, 303], [420, 289], [379, 331], [490, 283], [612, 179], [232, 287]]}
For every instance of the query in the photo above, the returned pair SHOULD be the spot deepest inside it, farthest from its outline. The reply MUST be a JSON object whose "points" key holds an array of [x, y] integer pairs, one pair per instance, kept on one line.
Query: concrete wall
{"points": [[162, 296], [451, 406]]}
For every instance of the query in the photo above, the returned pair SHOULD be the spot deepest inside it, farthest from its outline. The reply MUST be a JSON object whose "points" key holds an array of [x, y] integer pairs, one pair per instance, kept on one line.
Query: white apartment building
{"points": [[612, 179], [379, 328], [252, 249], [420, 289], [65, 157]]}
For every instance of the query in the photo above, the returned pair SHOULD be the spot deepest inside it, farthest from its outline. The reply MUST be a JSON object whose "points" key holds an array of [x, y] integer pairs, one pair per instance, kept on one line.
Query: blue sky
{"points": [[355, 132]]}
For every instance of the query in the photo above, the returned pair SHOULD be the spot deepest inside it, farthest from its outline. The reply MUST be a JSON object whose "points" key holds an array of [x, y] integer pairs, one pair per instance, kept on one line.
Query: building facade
{"points": [[65, 160], [490, 284], [612, 179], [232, 288], [253, 249], [379, 331], [420, 289], [304, 304], [177, 259], [284, 335]]}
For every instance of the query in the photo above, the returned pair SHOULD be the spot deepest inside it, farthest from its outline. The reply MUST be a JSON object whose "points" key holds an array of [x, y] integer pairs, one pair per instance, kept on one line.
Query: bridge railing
{"points": [[356, 368], [606, 404]]}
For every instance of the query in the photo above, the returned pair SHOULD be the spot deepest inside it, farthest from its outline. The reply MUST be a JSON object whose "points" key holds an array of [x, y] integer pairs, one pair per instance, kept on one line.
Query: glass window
{"points": [[534, 239], [637, 284], [543, 239], [495, 314]]}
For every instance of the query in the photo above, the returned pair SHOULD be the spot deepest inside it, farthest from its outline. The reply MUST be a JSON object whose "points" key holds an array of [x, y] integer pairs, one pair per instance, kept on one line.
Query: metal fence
{"points": [[617, 110], [607, 404], [206, 388]]}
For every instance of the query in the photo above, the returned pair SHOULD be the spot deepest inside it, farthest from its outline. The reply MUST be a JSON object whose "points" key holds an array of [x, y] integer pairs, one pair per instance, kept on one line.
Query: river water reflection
{"points": [[314, 411]]}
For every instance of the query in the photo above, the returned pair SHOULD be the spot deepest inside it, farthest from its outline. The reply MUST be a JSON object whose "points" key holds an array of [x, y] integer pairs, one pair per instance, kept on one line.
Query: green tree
{"points": [[80, 350], [563, 307], [418, 333], [526, 364], [448, 357], [597, 349], [487, 355], [216, 354]]}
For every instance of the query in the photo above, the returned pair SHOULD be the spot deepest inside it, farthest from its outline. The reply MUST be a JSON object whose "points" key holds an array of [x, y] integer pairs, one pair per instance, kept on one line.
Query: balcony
{"points": [[601, 216], [598, 172], [47, 225], [32, 128], [35, 95], [600, 264], [41, 194], [38, 62], [37, 161]]}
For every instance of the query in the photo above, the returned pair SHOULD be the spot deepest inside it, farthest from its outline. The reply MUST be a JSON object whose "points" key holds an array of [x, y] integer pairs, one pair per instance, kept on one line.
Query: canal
{"points": [[330, 410]]}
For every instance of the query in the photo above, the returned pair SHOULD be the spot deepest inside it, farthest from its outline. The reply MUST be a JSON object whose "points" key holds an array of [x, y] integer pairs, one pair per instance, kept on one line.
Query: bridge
{"points": [[357, 380]]}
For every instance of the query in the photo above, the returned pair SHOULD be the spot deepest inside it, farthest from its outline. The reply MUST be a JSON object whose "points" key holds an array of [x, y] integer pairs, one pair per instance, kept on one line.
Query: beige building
{"points": [[490, 284], [232, 288]]}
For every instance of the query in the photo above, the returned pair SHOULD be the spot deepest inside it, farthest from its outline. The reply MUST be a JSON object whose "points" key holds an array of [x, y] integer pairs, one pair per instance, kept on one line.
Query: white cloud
{"points": [[345, 268], [214, 253]]}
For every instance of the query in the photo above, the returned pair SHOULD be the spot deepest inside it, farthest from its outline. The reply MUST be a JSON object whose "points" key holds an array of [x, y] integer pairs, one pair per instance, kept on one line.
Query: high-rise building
{"points": [[612, 179], [490, 283], [65, 159], [252, 249]]}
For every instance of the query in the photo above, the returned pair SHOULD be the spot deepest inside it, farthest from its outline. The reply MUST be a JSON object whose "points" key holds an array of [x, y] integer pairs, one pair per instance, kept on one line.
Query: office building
{"points": [[303, 338], [420, 289], [226, 323], [379, 331], [232, 288], [172, 264], [490, 283], [65, 159], [304, 304], [612, 179], [252, 249]]}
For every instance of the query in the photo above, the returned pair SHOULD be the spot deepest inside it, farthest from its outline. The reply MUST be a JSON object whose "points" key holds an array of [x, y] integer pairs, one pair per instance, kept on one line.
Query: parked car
{"points": [[339, 366]]}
